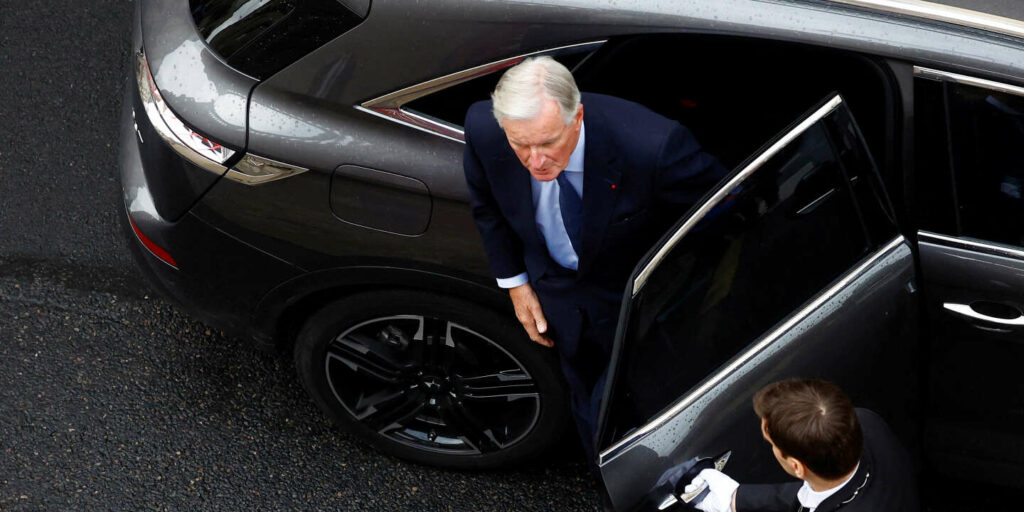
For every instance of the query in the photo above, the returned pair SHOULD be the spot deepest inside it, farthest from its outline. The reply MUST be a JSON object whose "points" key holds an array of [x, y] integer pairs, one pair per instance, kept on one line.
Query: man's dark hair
{"points": [[813, 421]]}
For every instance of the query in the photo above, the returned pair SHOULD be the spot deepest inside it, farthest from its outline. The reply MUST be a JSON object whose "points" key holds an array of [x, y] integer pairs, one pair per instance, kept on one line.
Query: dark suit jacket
{"points": [[641, 172], [883, 482]]}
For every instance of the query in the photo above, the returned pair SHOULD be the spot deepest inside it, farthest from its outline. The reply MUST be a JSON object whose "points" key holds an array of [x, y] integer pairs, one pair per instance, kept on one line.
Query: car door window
{"points": [[780, 236], [971, 165]]}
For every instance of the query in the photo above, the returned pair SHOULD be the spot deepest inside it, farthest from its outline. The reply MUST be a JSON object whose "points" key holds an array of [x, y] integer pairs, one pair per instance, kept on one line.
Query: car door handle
{"points": [[969, 311]]}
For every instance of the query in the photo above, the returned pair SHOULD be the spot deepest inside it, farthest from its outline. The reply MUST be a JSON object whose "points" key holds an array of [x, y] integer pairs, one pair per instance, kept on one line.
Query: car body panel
{"points": [[178, 182], [972, 423], [206, 93], [303, 230], [197, 248], [380, 200]]}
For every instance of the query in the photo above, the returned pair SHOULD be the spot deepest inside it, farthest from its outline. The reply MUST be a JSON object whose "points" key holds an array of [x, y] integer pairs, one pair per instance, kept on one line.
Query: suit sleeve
{"points": [[503, 246], [686, 172], [766, 497]]}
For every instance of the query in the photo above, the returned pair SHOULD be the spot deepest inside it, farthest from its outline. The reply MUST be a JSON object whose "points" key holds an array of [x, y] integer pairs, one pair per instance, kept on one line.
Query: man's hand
{"points": [[721, 495], [529, 313]]}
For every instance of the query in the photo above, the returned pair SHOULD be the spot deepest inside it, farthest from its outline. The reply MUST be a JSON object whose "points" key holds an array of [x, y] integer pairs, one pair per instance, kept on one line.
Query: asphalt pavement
{"points": [[115, 400], [112, 398]]}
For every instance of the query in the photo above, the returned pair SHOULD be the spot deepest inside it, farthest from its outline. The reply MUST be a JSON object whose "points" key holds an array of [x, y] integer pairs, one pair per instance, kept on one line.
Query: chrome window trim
{"points": [[971, 245], [724, 190], [946, 76], [662, 419], [944, 13], [418, 122], [389, 106]]}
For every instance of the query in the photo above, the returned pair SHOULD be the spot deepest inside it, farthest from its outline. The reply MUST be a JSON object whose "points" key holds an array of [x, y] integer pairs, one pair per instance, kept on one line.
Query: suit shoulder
{"points": [[627, 124], [881, 441], [478, 114], [480, 126]]}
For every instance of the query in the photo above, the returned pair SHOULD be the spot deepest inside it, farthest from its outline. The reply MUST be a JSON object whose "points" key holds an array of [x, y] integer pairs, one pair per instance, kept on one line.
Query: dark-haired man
{"points": [[848, 458]]}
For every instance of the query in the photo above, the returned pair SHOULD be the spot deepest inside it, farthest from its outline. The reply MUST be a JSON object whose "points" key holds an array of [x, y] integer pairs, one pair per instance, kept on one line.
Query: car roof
{"points": [[1013, 9], [404, 43]]}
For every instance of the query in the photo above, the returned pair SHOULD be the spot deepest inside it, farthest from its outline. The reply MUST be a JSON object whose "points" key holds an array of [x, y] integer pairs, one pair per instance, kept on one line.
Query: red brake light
{"points": [[157, 251]]}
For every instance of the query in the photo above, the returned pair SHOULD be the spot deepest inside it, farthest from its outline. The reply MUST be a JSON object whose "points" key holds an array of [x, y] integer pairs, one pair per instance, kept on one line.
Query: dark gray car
{"points": [[292, 173]]}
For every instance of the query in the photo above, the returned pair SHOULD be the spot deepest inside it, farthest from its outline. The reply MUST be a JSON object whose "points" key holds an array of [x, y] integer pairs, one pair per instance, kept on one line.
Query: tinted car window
{"points": [[970, 165], [861, 171], [935, 197], [260, 37], [779, 239], [987, 141]]}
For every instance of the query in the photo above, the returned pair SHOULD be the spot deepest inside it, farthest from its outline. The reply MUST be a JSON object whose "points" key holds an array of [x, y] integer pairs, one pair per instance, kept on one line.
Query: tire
{"points": [[433, 379]]}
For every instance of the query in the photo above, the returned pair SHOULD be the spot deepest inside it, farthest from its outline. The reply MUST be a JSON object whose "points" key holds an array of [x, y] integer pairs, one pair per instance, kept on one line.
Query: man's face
{"points": [[544, 143]]}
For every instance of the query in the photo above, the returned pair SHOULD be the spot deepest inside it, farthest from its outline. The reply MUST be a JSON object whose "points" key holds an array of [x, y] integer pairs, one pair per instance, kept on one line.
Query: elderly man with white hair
{"points": [[567, 200]]}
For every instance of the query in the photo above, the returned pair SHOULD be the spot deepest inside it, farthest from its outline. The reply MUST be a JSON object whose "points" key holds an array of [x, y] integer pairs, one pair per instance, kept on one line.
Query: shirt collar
{"points": [[576, 158], [810, 499]]}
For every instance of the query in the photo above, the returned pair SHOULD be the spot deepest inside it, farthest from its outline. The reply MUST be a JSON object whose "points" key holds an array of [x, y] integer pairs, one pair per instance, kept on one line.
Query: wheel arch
{"points": [[281, 313]]}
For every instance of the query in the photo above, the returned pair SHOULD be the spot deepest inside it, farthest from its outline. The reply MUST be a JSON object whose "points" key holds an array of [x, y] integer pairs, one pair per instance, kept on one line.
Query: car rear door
{"points": [[793, 267], [970, 214]]}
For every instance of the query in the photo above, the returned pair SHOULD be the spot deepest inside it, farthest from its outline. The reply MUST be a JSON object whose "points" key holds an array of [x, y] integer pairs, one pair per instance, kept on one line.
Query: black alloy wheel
{"points": [[432, 379]]}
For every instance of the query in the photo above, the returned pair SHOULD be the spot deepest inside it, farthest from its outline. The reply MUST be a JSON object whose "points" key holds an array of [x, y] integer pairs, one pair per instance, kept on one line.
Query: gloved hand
{"points": [[721, 489]]}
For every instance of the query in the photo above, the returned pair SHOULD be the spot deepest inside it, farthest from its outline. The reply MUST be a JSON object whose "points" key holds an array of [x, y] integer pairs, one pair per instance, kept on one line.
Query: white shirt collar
{"points": [[810, 499], [576, 158]]}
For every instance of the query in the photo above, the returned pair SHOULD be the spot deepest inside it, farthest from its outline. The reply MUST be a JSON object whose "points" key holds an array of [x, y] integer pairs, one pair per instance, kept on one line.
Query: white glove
{"points": [[721, 489]]}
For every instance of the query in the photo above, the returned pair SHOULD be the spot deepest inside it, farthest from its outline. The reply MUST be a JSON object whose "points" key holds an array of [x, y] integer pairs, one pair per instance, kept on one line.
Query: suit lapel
{"points": [[600, 181]]}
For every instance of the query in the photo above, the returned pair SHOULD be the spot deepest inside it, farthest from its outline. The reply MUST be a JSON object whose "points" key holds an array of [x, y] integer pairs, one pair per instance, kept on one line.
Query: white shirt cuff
{"points": [[512, 282]]}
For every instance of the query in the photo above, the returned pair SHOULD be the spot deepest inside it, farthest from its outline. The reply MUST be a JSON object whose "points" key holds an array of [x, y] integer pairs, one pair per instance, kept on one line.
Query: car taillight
{"points": [[190, 144], [199, 149], [150, 245]]}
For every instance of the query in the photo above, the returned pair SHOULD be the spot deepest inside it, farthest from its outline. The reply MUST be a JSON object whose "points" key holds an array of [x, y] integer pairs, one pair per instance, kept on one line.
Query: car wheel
{"points": [[432, 379]]}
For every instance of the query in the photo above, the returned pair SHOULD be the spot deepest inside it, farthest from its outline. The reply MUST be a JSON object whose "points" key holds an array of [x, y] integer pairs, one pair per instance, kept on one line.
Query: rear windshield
{"points": [[260, 37]]}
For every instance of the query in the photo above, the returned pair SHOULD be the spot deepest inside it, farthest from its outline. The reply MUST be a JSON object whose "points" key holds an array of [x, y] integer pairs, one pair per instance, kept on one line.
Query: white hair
{"points": [[521, 92]]}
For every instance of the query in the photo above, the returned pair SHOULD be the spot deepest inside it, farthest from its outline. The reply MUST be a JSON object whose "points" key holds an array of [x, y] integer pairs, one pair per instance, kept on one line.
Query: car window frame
{"points": [[710, 202], [609, 449], [390, 106], [956, 235]]}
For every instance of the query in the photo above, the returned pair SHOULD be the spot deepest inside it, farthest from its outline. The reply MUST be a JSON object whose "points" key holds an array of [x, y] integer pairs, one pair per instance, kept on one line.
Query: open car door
{"points": [[793, 267]]}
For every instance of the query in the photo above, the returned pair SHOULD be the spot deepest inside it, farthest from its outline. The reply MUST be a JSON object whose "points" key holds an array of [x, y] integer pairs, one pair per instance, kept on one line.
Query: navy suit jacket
{"points": [[642, 171]]}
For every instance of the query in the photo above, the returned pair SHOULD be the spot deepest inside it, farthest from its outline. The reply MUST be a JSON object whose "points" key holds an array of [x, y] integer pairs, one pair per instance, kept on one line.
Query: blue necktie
{"points": [[571, 206]]}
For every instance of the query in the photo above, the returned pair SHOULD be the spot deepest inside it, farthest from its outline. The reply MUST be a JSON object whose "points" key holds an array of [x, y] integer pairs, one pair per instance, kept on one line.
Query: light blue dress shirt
{"points": [[548, 216]]}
